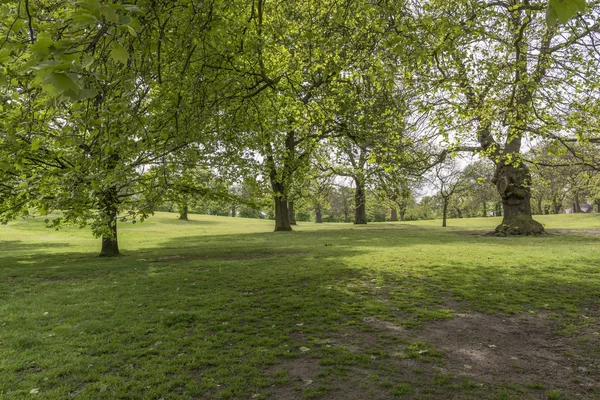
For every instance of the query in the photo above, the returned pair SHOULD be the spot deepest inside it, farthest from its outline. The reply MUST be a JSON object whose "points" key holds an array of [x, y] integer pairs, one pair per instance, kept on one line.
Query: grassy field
{"points": [[223, 308]]}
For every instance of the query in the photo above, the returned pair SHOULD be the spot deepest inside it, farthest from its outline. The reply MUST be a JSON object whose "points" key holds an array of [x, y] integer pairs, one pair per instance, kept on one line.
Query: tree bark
{"points": [[282, 220], [360, 213], [576, 207], [291, 213], [445, 212], [233, 210], [394, 216], [484, 209], [110, 244], [513, 184], [183, 213], [319, 215]]}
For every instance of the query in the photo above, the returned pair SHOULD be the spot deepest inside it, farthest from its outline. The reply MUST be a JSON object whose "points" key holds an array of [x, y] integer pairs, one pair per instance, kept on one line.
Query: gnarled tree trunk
{"points": [[513, 184], [291, 213], [394, 216], [360, 213]]}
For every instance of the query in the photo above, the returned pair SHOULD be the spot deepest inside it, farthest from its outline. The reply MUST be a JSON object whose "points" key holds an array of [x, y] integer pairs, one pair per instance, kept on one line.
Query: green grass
{"points": [[210, 308]]}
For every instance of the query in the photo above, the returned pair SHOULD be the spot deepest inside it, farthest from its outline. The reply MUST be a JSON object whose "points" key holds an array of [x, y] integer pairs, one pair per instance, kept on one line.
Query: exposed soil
{"points": [[488, 351]]}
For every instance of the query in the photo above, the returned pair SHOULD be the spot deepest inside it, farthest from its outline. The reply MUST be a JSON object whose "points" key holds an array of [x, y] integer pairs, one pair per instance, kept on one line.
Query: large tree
{"points": [[498, 74]]}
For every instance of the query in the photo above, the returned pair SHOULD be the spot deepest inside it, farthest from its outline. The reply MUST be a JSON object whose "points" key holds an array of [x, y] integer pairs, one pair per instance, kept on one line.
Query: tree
{"points": [[505, 73], [449, 179]]}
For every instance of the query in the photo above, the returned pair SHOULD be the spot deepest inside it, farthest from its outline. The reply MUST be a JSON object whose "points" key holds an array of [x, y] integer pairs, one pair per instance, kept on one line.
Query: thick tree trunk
{"points": [[394, 216], [183, 213], [291, 213], [282, 220], [110, 244], [319, 215], [445, 213], [360, 214], [513, 185]]}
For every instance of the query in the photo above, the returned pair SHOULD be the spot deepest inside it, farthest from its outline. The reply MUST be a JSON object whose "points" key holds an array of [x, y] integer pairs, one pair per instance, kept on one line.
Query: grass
{"points": [[224, 308]]}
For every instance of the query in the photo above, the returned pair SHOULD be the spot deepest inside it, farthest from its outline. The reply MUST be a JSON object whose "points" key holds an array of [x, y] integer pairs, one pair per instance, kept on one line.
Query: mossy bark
{"points": [[513, 184]]}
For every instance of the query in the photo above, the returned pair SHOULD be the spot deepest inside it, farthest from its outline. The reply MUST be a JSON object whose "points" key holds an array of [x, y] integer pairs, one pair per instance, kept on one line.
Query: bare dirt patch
{"points": [[521, 350], [489, 351]]}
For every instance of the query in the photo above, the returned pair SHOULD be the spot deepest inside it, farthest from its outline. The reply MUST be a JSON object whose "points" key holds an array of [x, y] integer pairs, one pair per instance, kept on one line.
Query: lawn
{"points": [[223, 308]]}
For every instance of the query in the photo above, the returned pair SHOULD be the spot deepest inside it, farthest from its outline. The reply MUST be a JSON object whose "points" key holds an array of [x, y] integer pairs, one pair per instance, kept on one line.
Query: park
{"points": [[218, 307], [324, 199]]}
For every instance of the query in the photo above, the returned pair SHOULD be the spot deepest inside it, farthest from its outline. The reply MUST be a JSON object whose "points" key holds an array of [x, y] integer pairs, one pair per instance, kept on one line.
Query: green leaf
{"points": [[118, 53], [109, 13], [63, 83], [35, 144], [551, 17], [565, 10]]}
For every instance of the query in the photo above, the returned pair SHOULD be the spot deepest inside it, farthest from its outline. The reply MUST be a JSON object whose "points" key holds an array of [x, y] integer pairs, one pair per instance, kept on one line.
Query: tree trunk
{"points": [[598, 205], [110, 244], [360, 214], [576, 207], [402, 214], [445, 212], [555, 207], [233, 210], [319, 215], [183, 213], [484, 209], [394, 216], [291, 213], [282, 220], [513, 184]]}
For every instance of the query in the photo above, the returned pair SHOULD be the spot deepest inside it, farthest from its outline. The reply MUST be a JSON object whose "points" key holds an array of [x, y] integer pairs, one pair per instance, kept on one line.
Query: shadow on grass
{"points": [[213, 312]]}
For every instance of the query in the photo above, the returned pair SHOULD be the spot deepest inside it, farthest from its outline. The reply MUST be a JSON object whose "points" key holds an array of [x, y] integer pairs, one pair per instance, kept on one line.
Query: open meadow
{"points": [[222, 307]]}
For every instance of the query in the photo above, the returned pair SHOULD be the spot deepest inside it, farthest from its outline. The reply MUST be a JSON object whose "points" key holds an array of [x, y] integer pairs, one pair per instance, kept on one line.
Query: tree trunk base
{"points": [[283, 229], [110, 248], [520, 226]]}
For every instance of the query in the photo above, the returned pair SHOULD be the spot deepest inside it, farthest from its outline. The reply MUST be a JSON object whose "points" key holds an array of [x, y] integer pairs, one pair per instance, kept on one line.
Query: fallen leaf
{"points": [[304, 349], [34, 391]]}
